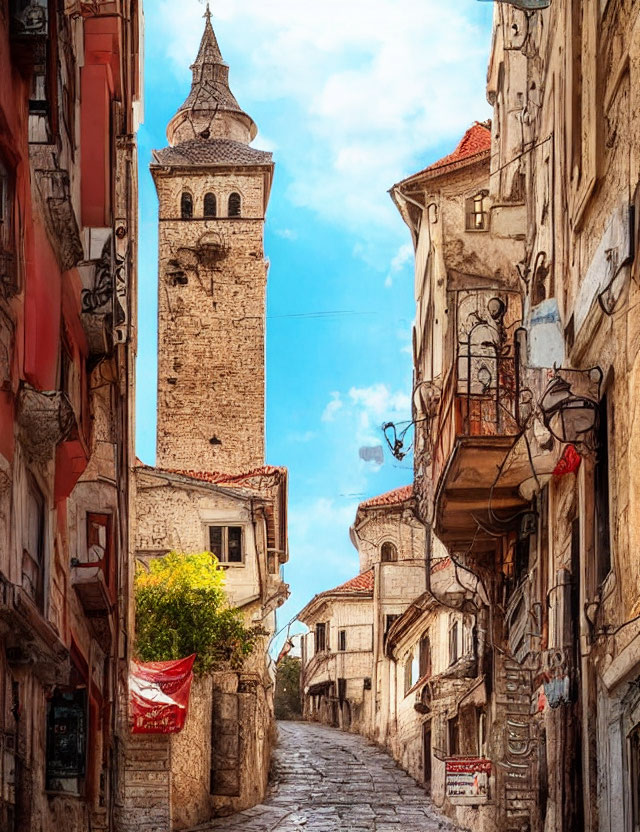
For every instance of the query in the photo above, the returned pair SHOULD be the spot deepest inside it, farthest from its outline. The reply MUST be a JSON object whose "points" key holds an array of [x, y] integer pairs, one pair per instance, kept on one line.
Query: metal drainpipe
{"points": [[255, 543], [377, 569]]}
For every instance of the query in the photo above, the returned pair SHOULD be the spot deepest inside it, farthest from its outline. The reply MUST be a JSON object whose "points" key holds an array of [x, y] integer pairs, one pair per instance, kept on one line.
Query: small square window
{"points": [[225, 542]]}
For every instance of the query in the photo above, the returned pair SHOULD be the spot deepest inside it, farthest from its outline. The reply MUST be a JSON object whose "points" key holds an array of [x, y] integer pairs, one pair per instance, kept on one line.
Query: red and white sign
{"points": [[159, 695], [467, 777]]}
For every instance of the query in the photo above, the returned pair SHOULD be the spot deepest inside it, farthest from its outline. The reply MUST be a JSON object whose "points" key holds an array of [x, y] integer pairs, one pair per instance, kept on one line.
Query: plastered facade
{"points": [[67, 375], [561, 176]]}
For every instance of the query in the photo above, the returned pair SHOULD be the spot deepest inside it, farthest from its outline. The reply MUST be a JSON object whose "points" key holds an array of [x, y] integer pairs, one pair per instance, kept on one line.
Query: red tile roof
{"points": [[218, 478], [361, 583], [390, 498], [476, 140]]}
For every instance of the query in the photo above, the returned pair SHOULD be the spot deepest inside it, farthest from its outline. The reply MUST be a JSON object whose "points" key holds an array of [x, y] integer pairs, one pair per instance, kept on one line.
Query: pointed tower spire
{"points": [[210, 110]]}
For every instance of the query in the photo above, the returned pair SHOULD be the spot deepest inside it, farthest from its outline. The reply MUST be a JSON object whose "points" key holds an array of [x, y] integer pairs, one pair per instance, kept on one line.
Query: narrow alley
{"points": [[325, 780]]}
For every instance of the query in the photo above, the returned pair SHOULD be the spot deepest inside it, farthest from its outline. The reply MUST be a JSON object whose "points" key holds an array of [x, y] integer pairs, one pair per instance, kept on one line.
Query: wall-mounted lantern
{"points": [[570, 406]]}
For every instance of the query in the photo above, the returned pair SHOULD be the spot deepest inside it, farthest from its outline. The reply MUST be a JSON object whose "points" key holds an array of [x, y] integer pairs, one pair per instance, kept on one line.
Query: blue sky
{"points": [[351, 96]]}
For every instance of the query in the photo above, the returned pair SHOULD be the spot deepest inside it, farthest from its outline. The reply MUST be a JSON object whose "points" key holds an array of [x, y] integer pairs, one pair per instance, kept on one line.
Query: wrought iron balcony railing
{"points": [[481, 391]]}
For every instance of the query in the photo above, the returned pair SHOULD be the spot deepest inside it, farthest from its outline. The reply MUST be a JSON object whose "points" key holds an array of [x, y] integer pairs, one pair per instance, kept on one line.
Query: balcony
{"points": [[477, 423], [93, 576], [30, 640]]}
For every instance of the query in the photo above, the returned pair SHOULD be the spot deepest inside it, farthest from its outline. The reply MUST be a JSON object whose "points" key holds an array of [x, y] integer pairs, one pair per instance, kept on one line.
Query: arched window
{"points": [[186, 206], [388, 552], [235, 204], [209, 206]]}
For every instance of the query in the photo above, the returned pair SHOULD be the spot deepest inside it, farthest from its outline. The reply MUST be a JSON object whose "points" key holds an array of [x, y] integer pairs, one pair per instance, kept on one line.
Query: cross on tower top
{"points": [[207, 14]]}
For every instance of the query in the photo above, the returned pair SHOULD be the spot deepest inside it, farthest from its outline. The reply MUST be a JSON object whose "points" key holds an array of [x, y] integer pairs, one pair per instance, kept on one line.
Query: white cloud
{"points": [[302, 437], [329, 413], [361, 413], [402, 257], [287, 233], [369, 86]]}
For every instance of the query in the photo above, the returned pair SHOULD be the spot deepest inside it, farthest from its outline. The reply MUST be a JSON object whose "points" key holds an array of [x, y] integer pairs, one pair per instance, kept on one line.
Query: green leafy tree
{"points": [[287, 697], [182, 608]]}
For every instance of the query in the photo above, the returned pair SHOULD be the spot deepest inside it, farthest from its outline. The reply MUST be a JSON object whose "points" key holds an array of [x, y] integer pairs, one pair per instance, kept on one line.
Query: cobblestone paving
{"points": [[327, 781]]}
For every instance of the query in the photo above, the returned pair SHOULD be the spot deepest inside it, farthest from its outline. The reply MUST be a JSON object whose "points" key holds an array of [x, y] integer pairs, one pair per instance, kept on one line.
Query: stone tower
{"points": [[213, 190]]}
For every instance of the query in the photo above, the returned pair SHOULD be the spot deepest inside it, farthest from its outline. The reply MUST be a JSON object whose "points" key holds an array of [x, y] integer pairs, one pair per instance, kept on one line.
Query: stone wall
{"points": [[145, 802], [211, 314]]}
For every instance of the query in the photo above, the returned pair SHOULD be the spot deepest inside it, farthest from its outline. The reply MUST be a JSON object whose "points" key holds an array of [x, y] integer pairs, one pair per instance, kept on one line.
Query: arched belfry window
{"points": [[235, 204], [388, 552], [186, 206], [209, 206]]}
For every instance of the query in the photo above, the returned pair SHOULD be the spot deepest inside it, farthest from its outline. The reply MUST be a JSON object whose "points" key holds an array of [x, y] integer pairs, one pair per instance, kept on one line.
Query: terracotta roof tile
{"points": [[476, 140], [361, 583], [218, 478], [211, 152], [390, 498]]}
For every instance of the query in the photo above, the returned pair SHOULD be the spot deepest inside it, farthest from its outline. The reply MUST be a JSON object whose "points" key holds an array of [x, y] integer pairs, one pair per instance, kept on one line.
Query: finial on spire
{"points": [[207, 14]]}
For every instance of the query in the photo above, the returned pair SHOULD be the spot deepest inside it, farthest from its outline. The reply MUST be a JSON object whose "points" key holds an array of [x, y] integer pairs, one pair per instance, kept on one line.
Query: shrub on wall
{"points": [[182, 608]]}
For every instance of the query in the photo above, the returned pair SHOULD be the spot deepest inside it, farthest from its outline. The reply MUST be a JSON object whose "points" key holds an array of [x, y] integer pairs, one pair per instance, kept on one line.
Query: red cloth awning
{"points": [[159, 695]]}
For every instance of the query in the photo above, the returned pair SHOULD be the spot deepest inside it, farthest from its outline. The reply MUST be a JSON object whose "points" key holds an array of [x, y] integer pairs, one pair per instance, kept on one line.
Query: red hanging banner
{"points": [[159, 695]]}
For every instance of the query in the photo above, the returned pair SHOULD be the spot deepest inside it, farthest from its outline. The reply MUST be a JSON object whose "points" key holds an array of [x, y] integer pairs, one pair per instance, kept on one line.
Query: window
{"points": [[342, 640], [425, 656], [186, 206], [482, 732], [453, 737], [33, 551], [388, 622], [235, 204], [321, 638], [99, 546], [408, 665], [454, 636], [66, 741], [225, 542], [601, 486], [388, 553], [209, 206], [476, 217]]}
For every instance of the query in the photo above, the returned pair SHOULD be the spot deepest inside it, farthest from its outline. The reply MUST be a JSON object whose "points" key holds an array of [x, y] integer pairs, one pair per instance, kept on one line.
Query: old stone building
{"points": [[210, 489], [526, 366], [70, 93], [342, 679], [436, 705]]}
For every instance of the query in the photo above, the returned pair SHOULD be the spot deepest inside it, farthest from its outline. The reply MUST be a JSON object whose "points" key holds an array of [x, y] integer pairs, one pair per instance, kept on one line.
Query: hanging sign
{"points": [[468, 778], [159, 695]]}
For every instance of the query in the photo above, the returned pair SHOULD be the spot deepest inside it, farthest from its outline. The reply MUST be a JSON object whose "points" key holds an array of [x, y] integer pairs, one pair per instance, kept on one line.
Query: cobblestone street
{"points": [[328, 781]]}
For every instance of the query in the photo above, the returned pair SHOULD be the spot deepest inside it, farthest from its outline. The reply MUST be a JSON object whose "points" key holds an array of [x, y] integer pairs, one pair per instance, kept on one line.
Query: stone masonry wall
{"points": [[211, 326], [146, 806]]}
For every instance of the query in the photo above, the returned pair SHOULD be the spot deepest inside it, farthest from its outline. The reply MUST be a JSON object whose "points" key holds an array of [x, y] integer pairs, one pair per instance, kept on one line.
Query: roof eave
{"points": [[430, 173]]}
